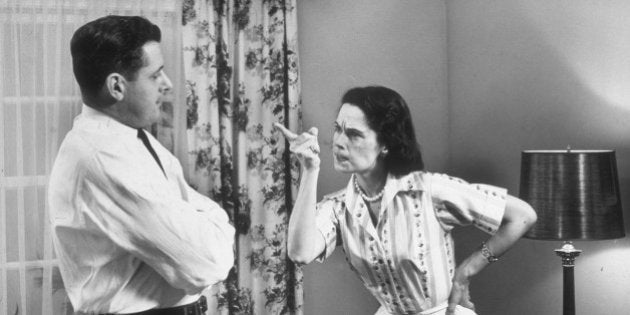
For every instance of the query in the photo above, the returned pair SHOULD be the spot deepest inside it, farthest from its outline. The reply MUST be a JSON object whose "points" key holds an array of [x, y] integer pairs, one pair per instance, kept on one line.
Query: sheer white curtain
{"points": [[38, 100]]}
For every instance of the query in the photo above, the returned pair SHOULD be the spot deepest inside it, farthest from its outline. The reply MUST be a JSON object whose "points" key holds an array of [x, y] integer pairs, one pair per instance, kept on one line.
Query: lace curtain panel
{"points": [[38, 100]]}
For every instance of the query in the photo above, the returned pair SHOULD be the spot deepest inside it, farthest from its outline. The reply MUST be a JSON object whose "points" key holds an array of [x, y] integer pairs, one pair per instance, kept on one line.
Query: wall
{"points": [[344, 44], [527, 74], [535, 74]]}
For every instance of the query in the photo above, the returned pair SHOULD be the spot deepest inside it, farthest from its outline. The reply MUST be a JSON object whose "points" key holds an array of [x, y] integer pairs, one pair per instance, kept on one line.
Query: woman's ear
{"points": [[116, 85]]}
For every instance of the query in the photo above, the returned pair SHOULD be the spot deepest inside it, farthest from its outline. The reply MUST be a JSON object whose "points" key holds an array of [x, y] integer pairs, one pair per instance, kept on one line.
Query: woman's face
{"points": [[355, 148]]}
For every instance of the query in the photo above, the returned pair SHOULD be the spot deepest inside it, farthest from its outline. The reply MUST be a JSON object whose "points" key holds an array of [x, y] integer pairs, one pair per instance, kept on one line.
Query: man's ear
{"points": [[116, 86]]}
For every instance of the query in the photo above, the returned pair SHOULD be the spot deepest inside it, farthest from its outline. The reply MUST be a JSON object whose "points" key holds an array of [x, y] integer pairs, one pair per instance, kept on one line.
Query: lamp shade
{"points": [[574, 192]]}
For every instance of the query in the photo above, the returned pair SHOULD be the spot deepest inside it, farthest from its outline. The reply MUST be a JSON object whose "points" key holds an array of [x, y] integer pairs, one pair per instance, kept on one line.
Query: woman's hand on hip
{"points": [[460, 294], [304, 146]]}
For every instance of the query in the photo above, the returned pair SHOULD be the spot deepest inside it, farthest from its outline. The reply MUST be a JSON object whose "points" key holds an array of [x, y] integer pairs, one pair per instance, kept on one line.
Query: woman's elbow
{"points": [[520, 213], [529, 217]]}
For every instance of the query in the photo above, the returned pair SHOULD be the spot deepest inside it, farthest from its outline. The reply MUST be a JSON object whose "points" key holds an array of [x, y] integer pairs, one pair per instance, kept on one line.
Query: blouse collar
{"points": [[413, 181]]}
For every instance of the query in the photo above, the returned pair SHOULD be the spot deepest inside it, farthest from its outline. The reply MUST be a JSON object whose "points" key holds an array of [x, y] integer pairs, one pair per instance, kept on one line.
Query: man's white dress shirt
{"points": [[128, 236]]}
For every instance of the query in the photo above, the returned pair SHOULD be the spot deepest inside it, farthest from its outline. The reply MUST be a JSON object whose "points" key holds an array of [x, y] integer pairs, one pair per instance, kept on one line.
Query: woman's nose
{"points": [[338, 141]]}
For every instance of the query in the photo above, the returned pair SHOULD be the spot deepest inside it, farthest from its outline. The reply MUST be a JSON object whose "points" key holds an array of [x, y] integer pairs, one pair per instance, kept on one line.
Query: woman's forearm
{"points": [[518, 219], [305, 242]]}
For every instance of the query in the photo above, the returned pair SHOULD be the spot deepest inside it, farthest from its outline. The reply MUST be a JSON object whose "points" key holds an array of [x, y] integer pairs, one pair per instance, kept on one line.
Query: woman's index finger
{"points": [[286, 132]]}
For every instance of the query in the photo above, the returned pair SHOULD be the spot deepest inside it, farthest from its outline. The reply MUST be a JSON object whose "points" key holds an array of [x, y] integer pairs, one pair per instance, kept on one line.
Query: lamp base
{"points": [[568, 253]]}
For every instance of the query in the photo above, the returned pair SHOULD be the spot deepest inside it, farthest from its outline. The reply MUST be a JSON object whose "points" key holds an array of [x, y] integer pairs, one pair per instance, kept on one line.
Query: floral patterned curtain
{"points": [[241, 73]]}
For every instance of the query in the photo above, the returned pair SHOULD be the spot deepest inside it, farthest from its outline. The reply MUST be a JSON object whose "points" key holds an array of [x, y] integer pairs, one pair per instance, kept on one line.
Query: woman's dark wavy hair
{"points": [[110, 44], [388, 115]]}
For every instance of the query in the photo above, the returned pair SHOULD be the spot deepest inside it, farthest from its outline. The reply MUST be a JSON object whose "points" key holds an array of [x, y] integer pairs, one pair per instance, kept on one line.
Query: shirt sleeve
{"points": [[185, 237], [457, 202], [328, 225]]}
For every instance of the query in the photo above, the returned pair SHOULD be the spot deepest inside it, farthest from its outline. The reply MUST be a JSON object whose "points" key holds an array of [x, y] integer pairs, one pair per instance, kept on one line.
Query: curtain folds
{"points": [[241, 75]]}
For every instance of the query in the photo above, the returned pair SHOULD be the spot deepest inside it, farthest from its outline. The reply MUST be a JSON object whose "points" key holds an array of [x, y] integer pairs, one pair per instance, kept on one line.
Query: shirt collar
{"points": [[393, 185], [96, 119]]}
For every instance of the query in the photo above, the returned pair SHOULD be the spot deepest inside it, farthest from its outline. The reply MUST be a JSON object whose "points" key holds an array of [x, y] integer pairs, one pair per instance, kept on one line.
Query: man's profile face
{"points": [[145, 94]]}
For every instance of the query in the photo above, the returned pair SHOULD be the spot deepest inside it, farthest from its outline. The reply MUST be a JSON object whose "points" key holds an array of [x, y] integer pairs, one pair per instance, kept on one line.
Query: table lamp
{"points": [[575, 194]]}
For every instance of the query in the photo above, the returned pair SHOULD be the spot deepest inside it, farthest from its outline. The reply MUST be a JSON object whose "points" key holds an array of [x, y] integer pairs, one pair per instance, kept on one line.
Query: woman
{"points": [[394, 219]]}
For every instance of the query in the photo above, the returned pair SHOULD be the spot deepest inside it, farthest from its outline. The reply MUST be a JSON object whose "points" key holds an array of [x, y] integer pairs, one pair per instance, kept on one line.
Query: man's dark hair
{"points": [[388, 115], [110, 44]]}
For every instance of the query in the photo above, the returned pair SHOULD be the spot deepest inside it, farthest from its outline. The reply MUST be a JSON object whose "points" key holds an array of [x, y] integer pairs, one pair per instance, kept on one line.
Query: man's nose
{"points": [[167, 85]]}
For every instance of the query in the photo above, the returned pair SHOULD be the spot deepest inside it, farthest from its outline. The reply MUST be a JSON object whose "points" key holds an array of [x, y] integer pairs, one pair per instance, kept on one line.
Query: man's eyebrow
{"points": [[158, 70]]}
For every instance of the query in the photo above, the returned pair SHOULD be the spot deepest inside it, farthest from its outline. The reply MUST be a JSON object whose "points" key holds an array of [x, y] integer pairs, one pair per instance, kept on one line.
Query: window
{"points": [[38, 100]]}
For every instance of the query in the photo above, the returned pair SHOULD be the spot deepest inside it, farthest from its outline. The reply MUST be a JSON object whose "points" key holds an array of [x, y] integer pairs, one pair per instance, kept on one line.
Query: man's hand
{"points": [[305, 146]]}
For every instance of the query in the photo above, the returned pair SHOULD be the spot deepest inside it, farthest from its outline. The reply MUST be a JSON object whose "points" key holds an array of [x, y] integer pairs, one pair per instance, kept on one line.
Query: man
{"points": [[131, 236]]}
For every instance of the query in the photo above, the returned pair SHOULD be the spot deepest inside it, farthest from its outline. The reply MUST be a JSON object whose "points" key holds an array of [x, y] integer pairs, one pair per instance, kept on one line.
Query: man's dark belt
{"points": [[196, 308]]}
